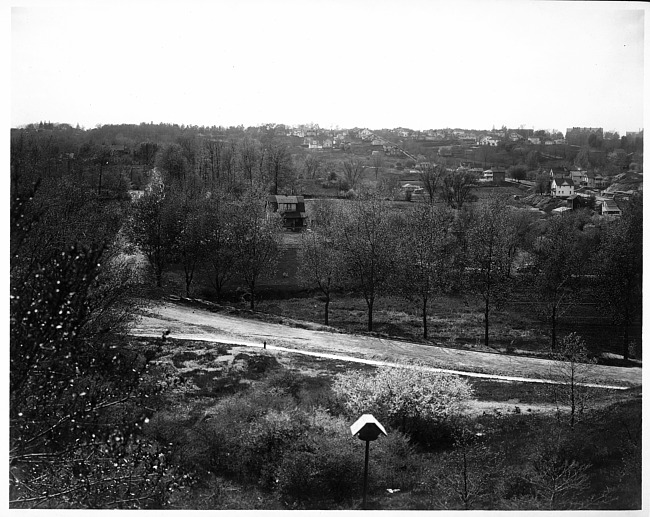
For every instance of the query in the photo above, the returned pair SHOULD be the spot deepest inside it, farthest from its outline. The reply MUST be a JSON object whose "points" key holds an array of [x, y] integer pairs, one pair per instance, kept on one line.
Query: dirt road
{"points": [[185, 322]]}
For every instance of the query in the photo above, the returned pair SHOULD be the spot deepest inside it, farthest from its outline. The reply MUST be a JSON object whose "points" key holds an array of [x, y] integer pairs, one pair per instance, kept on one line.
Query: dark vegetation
{"points": [[99, 420], [279, 438]]}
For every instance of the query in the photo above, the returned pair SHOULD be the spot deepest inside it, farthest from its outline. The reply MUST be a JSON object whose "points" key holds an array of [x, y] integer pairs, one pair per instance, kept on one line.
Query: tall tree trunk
{"points": [[189, 276], [252, 289], [370, 306], [327, 308], [553, 328], [626, 335], [487, 321], [424, 317]]}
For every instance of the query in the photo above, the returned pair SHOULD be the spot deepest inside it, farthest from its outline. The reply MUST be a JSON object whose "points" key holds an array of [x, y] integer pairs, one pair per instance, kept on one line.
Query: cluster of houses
{"points": [[565, 182], [452, 141], [572, 185]]}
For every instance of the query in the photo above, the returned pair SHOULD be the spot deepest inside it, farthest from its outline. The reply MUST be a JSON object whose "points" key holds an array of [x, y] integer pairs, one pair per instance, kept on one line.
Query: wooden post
{"points": [[365, 475]]}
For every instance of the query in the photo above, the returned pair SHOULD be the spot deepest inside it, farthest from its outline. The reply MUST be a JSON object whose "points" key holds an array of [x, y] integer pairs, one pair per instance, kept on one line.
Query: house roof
{"points": [[564, 181], [610, 205], [287, 199]]}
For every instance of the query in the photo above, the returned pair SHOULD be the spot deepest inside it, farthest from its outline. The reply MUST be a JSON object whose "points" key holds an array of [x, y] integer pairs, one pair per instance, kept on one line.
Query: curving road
{"points": [[185, 322]]}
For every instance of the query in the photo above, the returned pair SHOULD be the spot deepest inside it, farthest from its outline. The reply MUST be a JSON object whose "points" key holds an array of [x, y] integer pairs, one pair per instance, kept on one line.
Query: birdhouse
{"points": [[367, 428]]}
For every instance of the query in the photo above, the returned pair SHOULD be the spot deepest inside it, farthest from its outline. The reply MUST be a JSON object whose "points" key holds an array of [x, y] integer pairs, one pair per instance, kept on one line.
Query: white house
{"points": [[562, 187], [488, 140], [365, 134]]}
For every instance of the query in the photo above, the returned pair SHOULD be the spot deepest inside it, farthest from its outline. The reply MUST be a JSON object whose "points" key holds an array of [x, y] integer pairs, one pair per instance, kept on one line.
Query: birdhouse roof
{"points": [[363, 421]]}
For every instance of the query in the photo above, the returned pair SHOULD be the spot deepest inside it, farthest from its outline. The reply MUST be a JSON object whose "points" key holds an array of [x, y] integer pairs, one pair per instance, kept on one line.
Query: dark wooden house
{"points": [[292, 210]]}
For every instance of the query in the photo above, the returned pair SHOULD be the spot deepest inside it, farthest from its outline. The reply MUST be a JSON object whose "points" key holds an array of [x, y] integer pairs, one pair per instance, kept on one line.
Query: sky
{"points": [[356, 63]]}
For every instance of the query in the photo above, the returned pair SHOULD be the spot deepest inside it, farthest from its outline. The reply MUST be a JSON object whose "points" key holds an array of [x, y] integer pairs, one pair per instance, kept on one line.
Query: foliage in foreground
{"points": [[419, 402], [77, 394], [270, 440]]}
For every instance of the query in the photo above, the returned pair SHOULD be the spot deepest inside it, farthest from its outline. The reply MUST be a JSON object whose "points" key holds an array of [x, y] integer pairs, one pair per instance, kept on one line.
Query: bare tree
{"points": [[257, 240], [431, 178], [219, 235], [352, 171], [557, 260], [456, 188], [470, 472], [572, 364], [214, 149], [279, 167], [427, 256], [489, 257], [312, 165], [249, 157], [188, 246], [368, 248], [320, 263]]}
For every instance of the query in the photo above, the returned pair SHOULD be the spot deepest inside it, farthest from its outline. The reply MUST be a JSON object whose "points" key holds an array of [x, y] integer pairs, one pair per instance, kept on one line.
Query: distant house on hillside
{"points": [[292, 210], [577, 175], [610, 208], [365, 134], [562, 187], [589, 180], [488, 140], [498, 175], [558, 172], [495, 175]]}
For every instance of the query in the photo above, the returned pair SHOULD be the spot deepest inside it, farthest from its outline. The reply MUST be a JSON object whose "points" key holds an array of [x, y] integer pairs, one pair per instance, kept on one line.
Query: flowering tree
{"points": [[75, 415], [403, 394]]}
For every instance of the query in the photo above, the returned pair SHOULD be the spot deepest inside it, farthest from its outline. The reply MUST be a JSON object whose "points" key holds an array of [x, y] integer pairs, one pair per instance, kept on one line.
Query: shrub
{"points": [[411, 398], [325, 468], [287, 381]]}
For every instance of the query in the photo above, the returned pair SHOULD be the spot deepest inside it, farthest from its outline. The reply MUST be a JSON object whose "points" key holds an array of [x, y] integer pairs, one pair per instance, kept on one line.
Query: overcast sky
{"points": [[366, 63]]}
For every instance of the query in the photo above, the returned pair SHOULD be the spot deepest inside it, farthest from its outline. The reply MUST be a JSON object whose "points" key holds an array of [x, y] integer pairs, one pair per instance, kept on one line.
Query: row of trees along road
{"points": [[422, 252], [489, 249]]}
